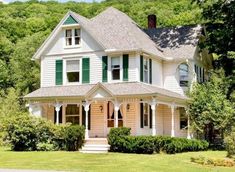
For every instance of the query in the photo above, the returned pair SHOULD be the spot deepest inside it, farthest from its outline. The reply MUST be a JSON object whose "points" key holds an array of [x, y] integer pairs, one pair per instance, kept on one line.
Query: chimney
{"points": [[152, 21]]}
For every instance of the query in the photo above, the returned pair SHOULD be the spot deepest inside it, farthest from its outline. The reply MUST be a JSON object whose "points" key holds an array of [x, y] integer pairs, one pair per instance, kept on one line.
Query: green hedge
{"points": [[121, 141], [27, 133]]}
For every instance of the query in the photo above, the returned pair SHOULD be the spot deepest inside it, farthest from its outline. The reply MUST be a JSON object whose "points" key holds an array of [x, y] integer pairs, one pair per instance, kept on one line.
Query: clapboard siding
{"points": [[157, 73], [130, 118], [97, 121]]}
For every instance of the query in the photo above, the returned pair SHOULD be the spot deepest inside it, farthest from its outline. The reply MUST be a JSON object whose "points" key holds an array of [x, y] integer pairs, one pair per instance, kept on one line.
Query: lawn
{"points": [[75, 161]]}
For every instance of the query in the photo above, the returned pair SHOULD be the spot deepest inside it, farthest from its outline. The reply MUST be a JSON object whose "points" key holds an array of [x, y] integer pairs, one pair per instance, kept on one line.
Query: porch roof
{"points": [[115, 89]]}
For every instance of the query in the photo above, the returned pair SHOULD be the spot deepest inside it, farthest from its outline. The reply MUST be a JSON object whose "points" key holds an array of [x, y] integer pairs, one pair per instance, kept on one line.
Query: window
{"points": [[115, 68], [183, 75], [72, 114], [72, 71], [110, 115], [183, 118], [146, 114], [68, 37], [146, 70], [72, 37], [77, 36]]}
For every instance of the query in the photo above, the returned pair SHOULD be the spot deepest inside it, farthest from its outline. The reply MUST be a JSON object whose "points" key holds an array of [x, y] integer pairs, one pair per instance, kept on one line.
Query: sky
{"points": [[7, 1]]}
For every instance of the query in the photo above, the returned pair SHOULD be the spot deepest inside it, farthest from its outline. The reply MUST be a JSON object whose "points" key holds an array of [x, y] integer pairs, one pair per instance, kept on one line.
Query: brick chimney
{"points": [[152, 21]]}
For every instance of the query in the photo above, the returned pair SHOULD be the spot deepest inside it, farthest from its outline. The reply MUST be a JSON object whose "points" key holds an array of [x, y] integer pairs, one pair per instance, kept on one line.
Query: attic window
{"points": [[72, 37]]}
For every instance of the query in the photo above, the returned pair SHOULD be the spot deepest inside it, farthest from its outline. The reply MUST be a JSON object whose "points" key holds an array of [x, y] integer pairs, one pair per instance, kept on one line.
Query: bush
{"points": [[215, 162], [230, 144], [27, 133], [73, 137], [120, 141]]}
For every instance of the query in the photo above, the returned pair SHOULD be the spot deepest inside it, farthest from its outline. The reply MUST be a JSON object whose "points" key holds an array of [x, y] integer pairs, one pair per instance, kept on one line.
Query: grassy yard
{"points": [[75, 161]]}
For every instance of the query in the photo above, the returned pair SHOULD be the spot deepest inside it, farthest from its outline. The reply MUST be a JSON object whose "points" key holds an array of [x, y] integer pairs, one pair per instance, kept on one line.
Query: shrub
{"points": [[73, 137], [116, 138], [215, 162], [230, 144], [27, 133], [120, 141]]}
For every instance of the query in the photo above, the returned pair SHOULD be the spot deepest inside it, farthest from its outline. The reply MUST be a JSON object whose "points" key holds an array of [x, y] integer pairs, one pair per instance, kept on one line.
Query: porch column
{"points": [[172, 120], [86, 121], [116, 109], [153, 108], [188, 127], [57, 109]]}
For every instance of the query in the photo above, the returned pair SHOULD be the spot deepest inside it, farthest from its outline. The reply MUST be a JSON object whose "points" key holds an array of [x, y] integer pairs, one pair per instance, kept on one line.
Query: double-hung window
{"points": [[73, 71], [72, 114], [115, 68], [146, 70], [183, 75], [72, 37]]}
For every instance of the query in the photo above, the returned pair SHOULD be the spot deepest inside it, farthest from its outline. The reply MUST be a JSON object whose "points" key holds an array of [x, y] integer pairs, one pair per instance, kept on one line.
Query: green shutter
{"points": [[85, 70], [70, 20], [150, 71], [141, 69], [104, 69], [141, 115], [150, 117], [125, 66], [59, 72]]}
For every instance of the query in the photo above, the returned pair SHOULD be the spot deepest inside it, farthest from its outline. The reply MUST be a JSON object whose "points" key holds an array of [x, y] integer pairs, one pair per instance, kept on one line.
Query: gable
{"points": [[70, 20], [99, 93]]}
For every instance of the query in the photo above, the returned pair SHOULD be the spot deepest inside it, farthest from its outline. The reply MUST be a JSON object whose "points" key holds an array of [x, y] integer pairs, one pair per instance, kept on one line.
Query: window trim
{"points": [[110, 77], [65, 71], [179, 75], [73, 45]]}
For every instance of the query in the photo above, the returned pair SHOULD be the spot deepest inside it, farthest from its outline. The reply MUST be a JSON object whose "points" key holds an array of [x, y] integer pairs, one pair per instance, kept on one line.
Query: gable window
{"points": [[146, 114], [146, 70], [115, 68], [72, 114], [68, 37], [73, 71], [183, 118], [183, 75], [72, 37]]}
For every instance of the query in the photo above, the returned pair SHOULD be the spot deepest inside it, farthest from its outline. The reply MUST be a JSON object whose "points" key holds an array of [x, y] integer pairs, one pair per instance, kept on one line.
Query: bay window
{"points": [[73, 71]]}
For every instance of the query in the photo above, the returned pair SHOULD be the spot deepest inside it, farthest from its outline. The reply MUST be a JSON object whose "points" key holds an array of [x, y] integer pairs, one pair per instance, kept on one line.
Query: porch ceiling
{"points": [[121, 89]]}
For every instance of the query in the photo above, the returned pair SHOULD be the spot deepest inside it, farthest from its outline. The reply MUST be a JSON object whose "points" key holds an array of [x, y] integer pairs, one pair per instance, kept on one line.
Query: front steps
{"points": [[95, 145]]}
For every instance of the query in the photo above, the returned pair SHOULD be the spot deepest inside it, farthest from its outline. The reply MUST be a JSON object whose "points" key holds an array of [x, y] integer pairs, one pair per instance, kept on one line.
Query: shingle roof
{"points": [[116, 89], [176, 42]]}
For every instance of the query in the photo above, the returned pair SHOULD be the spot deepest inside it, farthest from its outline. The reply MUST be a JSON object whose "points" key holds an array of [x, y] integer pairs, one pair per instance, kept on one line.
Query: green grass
{"points": [[75, 161]]}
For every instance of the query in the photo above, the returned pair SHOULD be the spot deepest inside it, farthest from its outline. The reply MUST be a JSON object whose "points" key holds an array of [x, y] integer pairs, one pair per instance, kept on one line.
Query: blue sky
{"points": [[7, 1]]}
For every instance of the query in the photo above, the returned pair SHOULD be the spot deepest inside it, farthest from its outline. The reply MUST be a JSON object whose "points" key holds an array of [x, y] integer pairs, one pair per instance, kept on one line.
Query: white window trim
{"points": [[73, 38], [110, 79], [180, 75], [65, 79], [145, 58]]}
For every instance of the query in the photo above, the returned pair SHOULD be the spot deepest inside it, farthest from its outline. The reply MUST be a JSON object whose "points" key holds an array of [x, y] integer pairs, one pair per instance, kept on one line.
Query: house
{"points": [[108, 72]]}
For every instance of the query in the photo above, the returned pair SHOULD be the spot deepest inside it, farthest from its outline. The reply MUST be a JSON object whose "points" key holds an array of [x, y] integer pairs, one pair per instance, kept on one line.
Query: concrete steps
{"points": [[95, 145]]}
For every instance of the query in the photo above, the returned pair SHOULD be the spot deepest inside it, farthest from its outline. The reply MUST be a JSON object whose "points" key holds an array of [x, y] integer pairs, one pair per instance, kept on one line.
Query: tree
{"points": [[209, 109]]}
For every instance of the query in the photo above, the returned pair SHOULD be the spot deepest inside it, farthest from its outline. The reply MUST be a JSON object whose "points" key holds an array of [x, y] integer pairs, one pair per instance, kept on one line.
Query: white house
{"points": [[108, 72]]}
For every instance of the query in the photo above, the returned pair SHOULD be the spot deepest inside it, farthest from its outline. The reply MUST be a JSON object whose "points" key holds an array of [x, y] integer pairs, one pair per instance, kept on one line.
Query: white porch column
{"points": [[172, 120], [153, 108], [188, 128], [116, 109], [86, 108], [57, 109]]}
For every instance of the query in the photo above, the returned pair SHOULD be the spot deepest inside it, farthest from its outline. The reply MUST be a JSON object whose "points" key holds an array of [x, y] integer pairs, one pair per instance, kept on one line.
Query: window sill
{"points": [[72, 46]]}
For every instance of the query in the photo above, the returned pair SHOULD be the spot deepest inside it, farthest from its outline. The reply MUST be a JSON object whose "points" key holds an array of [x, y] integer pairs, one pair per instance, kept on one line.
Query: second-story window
{"points": [[72, 71], [115, 68], [72, 37], [146, 70], [183, 75]]}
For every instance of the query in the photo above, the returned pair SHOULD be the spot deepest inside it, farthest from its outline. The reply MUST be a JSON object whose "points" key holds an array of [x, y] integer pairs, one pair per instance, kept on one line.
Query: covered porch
{"points": [[143, 108]]}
